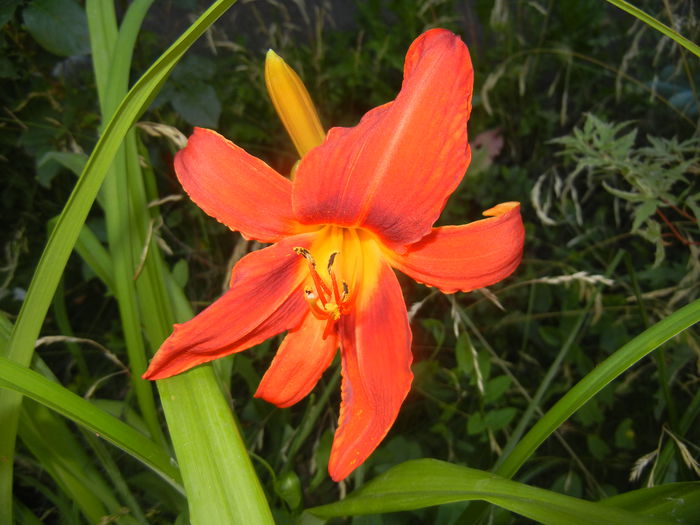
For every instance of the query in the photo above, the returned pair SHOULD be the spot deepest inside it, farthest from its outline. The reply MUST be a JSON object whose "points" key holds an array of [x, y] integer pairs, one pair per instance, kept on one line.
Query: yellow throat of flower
{"points": [[342, 264]]}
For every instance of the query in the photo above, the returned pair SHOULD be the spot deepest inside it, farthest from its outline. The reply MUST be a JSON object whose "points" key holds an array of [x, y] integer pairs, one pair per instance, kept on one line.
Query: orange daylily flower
{"points": [[362, 204]]}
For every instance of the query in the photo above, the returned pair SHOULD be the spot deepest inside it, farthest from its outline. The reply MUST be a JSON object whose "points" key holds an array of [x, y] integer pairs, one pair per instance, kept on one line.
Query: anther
{"points": [[331, 260], [321, 288], [306, 254]]}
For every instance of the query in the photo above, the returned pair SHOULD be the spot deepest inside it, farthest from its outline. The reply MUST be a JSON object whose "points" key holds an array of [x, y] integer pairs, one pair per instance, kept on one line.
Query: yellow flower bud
{"points": [[293, 104]]}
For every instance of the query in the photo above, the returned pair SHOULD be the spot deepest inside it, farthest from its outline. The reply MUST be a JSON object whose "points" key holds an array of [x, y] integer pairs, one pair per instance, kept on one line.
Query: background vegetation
{"points": [[581, 112]]}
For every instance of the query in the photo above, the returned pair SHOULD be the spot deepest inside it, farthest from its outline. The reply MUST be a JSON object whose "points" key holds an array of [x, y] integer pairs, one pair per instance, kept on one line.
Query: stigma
{"points": [[328, 301]]}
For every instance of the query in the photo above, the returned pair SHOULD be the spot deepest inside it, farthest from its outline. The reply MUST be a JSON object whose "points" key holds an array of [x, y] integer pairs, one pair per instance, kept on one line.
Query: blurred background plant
{"points": [[581, 112]]}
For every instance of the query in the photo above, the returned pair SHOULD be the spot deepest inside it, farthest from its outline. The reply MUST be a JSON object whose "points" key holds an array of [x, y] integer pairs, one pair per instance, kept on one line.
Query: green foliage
{"points": [[59, 26], [422, 483], [658, 178], [611, 211]]}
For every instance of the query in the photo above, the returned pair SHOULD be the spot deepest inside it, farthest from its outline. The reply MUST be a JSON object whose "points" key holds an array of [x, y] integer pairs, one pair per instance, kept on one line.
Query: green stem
{"points": [[309, 421]]}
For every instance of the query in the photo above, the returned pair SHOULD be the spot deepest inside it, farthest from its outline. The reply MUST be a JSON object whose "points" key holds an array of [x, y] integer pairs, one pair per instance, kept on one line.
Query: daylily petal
{"points": [[299, 363], [393, 172], [376, 363], [265, 299], [467, 257], [235, 188]]}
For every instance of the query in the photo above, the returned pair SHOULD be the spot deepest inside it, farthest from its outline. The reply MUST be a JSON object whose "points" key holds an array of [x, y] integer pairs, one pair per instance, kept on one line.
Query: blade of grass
{"points": [[24, 516], [60, 313], [680, 500], [122, 225], [120, 232], [115, 476], [427, 482], [102, 43], [71, 448], [208, 443], [654, 23], [65, 461], [95, 255], [689, 416], [592, 383], [63, 237], [555, 367], [221, 483], [31, 384], [659, 357]]}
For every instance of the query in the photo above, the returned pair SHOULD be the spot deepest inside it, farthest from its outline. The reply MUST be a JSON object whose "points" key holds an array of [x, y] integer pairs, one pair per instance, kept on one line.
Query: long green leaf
{"points": [[428, 482], [653, 22], [95, 255], [63, 237], [221, 484], [31, 384], [594, 382], [65, 462], [124, 231], [208, 444], [678, 500], [102, 41]]}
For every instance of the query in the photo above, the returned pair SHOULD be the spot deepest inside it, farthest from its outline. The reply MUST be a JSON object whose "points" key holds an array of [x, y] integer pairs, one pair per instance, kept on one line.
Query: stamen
{"points": [[331, 260], [334, 282], [328, 329], [305, 253], [312, 299], [321, 287], [333, 302]]}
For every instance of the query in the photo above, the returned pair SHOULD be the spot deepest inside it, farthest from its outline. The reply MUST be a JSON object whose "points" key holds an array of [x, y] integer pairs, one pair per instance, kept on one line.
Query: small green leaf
{"points": [[193, 68], [597, 446], [437, 329], [643, 212], [7, 10], [181, 273], [289, 489], [475, 424], [569, 484], [198, 104], [56, 397], [48, 165], [495, 388], [74, 162], [498, 419], [59, 26]]}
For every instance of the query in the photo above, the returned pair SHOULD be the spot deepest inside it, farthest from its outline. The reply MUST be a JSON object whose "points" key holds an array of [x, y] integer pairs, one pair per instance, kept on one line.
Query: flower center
{"points": [[328, 299], [343, 270]]}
